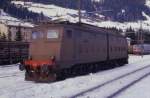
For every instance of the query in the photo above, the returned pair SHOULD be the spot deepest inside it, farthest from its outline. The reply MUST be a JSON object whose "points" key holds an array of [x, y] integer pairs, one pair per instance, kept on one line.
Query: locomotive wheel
{"points": [[46, 78], [61, 74], [117, 63], [80, 70], [31, 76], [95, 69], [75, 71]]}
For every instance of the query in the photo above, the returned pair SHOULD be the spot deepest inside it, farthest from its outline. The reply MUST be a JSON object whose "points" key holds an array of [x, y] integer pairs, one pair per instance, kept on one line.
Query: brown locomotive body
{"points": [[61, 49]]}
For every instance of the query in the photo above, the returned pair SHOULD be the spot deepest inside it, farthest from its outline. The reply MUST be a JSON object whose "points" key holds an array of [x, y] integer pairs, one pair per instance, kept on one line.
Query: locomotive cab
{"points": [[44, 51]]}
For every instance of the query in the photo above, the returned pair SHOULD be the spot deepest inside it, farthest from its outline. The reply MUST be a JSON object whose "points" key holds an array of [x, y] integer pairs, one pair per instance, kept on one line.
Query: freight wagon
{"points": [[13, 52], [61, 49], [141, 49]]}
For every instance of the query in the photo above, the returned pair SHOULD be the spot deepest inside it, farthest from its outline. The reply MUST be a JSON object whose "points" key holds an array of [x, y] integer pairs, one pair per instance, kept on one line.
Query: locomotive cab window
{"points": [[52, 34], [36, 35]]}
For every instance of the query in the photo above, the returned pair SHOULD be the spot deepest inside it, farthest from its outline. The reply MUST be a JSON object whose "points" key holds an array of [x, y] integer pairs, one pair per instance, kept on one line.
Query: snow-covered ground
{"points": [[56, 12], [129, 81]]}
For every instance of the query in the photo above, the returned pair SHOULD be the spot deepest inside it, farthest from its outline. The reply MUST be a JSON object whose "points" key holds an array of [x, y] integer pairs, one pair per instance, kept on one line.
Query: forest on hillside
{"points": [[115, 10], [19, 11]]}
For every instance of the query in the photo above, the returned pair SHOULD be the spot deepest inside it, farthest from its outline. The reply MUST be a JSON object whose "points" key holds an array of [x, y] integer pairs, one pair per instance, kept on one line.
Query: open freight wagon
{"points": [[13, 52]]}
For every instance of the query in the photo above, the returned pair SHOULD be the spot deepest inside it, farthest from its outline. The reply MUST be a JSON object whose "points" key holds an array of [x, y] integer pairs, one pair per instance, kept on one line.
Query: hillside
{"points": [[7, 19], [30, 10], [59, 13], [116, 10], [20, 12]]}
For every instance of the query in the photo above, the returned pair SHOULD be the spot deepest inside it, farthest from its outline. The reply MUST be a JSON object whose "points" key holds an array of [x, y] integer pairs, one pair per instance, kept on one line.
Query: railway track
{"points": [[137, 75], [24, 86]]}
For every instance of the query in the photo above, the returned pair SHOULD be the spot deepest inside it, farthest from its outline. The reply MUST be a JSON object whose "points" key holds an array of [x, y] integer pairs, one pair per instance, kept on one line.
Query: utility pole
{"points": [[141, 39], [18, 33], [79, 10], [9, 46]]}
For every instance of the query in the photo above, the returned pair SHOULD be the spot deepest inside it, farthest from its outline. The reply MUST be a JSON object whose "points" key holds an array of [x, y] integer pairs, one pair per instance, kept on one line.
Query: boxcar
{"points": [[141, 49], [60, 49]]}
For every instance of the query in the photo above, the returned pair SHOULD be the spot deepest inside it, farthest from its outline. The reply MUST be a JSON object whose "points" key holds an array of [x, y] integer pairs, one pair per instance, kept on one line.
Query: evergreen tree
{"points": [[132, 8], [18, 34], [3, 37], [9, 35], [130, 29]]}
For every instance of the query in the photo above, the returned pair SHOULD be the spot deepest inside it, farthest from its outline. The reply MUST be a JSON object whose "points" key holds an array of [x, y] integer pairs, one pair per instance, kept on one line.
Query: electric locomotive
{"points": [[64, 48]]}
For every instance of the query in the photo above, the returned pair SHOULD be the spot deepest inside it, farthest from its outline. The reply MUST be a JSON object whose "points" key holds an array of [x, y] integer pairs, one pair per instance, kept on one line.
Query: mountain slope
{"points": [[59, 13], [119, 10]]}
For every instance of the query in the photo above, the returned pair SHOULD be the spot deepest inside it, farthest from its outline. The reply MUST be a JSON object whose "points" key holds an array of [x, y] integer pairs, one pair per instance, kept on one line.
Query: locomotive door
{"points": [[76, 46]]}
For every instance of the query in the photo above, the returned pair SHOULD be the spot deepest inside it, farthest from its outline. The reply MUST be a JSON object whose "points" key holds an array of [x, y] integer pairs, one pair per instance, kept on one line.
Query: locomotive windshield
{"points": [[36, 35], [52, 34]]}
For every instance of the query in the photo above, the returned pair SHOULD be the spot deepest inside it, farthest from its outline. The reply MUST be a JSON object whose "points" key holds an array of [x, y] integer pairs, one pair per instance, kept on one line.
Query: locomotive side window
{"points": [[34, 35], [52, 34]]}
